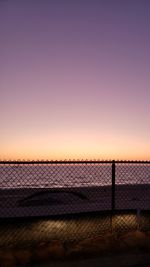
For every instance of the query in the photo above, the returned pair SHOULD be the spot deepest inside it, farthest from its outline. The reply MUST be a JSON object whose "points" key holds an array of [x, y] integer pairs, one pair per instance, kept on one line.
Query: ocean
{"points": [[71, 175]]}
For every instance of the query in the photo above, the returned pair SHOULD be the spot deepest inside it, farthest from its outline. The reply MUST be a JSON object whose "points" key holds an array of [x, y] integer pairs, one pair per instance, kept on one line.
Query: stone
{"points": [[7, 259], [50, 251], [88, 247], [22, 256], [56, 249], [40, 253], [134, 239]]}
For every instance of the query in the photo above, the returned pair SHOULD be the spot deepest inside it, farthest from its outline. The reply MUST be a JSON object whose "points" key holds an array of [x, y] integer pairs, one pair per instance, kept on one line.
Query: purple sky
{"points": [[75, 79]]}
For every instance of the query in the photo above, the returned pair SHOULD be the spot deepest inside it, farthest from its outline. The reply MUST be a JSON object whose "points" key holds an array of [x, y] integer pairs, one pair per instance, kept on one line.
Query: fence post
{"points": [[113, 186], [113, 194]]}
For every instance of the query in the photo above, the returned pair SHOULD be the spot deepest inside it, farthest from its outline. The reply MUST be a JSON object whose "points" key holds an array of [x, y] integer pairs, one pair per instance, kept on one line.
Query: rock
{"points": [[111, 244], [76, 251], [40, 253], [23, 256], [102, 245], [88, 247], [7, 259], [50, 251], [115, 245], [56, 249], [134, 239]]}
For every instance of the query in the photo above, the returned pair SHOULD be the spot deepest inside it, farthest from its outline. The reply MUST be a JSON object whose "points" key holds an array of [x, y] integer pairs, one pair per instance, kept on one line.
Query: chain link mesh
{"points": [[132, 192], [71, 200], [133, 186], [59, 188]]}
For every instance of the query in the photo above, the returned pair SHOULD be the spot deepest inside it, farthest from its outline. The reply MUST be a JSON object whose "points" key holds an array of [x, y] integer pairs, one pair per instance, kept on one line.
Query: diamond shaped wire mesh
{"points": [[133, 186], [38, 189], [132, 193], [82, 191]]}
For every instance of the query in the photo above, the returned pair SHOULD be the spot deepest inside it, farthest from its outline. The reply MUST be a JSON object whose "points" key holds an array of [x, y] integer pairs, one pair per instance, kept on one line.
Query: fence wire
{"points": [[132, 186], [72, 200]]}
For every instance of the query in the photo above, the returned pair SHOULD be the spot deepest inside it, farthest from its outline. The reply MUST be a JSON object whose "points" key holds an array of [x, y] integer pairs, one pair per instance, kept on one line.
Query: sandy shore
{"points": [[56, 201]]}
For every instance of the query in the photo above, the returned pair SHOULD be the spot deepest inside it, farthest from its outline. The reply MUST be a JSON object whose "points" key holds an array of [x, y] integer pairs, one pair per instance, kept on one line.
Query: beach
{"points": [[20, 202]]}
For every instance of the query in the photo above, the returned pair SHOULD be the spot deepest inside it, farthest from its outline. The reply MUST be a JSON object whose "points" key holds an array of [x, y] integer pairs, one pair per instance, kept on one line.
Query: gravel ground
{"points": [[128, 249]]}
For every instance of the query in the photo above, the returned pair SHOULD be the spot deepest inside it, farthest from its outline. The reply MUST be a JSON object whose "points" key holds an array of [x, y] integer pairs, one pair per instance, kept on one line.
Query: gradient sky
{"points": [[75, 79]]}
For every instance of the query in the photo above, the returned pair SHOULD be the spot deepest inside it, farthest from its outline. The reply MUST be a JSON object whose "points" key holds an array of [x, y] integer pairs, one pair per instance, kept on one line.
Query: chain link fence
{"points": [[54, 188], [72, 200], [132, 192]]}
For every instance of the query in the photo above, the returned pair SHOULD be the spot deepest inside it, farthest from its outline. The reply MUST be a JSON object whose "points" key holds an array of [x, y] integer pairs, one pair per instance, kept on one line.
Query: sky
{"points": [[74, 79]]}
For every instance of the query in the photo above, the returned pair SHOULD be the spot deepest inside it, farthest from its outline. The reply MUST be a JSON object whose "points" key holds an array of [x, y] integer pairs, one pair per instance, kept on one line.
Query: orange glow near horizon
{"points": [[75, 147]]}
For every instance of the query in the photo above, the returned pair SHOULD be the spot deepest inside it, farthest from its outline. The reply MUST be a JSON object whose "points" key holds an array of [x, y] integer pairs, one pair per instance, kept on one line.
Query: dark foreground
{"points": [[127, 249], [124, 260]]}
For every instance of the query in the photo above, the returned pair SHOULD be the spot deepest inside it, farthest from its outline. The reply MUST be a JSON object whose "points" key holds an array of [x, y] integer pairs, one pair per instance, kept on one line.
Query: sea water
{"points": [[71, 175]]}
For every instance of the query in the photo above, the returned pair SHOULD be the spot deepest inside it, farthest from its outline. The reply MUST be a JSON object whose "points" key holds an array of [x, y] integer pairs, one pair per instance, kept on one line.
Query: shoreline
{"points": [[22, 202]]}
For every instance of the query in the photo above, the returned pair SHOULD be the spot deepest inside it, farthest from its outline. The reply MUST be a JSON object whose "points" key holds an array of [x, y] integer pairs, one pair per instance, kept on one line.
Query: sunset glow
{"points": [[74, 79]]}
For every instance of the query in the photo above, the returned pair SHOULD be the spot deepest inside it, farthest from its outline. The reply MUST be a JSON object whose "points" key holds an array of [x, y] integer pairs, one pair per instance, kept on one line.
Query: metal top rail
{"points": [[73, 161]]}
